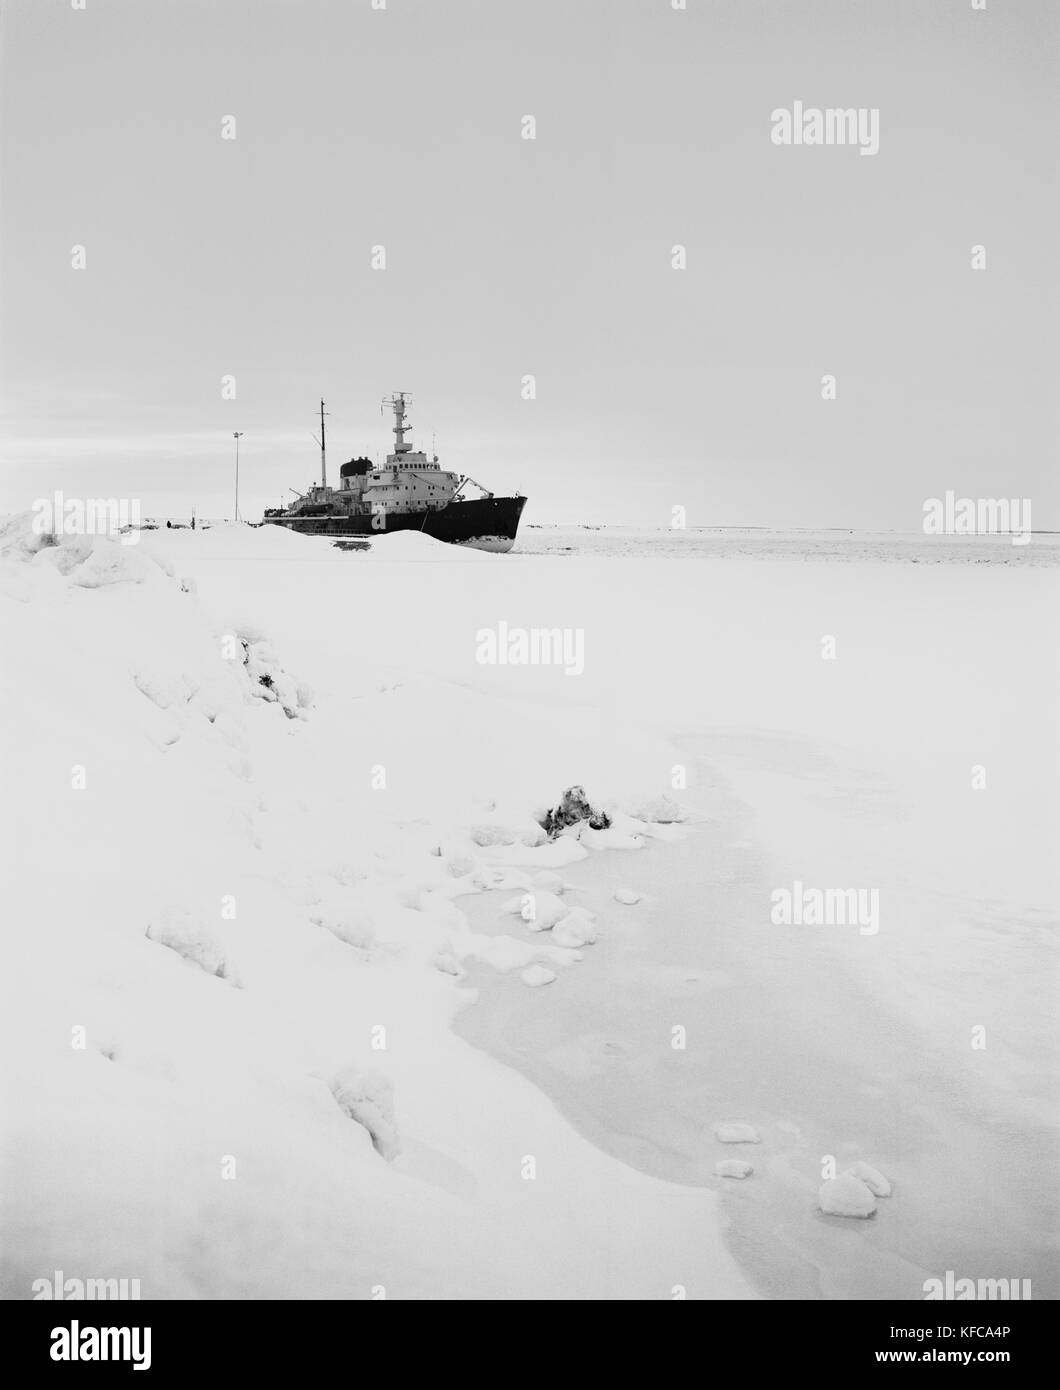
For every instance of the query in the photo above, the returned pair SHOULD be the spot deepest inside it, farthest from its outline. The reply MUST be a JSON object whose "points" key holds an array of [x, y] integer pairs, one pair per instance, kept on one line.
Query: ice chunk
{"points": [[577, 928], [734, 1132], [535, 975], [732, 1168], [846, 1196], [871, 1177]]}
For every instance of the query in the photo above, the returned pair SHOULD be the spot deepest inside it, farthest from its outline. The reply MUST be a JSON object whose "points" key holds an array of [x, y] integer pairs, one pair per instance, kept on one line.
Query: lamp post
{"points": [[237, 435]]}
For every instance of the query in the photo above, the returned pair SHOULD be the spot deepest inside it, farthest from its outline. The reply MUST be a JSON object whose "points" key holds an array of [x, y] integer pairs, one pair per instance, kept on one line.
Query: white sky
{"points": [[655, 388]]}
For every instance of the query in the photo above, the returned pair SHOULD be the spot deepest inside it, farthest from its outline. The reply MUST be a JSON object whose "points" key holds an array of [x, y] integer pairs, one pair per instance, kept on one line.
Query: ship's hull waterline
{"points": [[484, 523]]}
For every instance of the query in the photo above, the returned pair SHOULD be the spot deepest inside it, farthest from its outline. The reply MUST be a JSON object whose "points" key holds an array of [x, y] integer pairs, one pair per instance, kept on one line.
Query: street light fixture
{"points": [[237, 435]]}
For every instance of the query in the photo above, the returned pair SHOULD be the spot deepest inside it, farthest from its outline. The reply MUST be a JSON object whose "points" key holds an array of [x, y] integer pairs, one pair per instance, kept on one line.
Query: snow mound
{"points": [[537, 975], [112, 564], [87, 561], [735, 1132], [270, 682], [662, 810], [846, 1196], [487, 835], [871, 1177], [548, 882], [368, 1098], [414, 546], [484, 835], [554, 854], [732, 1168], [576, 929], [164, 689]]}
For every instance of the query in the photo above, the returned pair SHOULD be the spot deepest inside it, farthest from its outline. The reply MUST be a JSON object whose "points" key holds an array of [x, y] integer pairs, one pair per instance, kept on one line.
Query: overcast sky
{"points": [[506, 257]]}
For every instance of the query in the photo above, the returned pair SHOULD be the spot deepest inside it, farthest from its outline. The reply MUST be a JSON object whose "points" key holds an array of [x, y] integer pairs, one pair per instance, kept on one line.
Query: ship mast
{"points": [[398, 402], [323, 448]]}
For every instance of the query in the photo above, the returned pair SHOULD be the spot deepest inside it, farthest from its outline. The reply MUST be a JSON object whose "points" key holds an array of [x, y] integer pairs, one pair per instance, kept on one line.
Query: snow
{"points": [[193, 940], [576, 928], [846, 1196], [368, 1098], [538, 910], [547, 882], [231, 944], [356, 915]]}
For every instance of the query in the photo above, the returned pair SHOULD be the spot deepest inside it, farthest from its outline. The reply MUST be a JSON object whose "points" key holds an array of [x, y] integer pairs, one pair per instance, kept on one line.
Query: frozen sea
{"points": [[836, 1046], [763, 543], [876, 713]]}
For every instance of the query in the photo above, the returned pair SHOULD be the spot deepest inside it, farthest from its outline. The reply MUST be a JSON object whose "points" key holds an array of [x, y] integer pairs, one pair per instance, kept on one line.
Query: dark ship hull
{"points": [[486, 523]]}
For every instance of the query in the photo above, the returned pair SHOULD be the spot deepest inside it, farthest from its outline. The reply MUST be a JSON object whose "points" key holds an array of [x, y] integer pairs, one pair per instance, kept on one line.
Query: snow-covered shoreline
{"points": [[307, 878]]}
